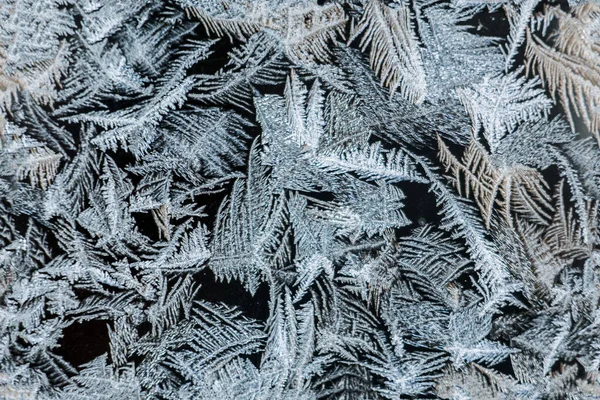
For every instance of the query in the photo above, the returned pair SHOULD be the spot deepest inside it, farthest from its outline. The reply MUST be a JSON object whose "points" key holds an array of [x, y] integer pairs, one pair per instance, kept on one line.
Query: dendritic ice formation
{"points": [[292, 199]]}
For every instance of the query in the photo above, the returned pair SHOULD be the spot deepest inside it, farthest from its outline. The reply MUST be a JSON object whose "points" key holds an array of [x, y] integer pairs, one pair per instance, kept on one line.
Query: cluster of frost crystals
{"points": [[283, 199]]}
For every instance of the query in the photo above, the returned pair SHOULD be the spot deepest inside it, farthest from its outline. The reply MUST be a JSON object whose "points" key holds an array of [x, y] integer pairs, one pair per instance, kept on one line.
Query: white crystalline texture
{"points": [[299, 199]]}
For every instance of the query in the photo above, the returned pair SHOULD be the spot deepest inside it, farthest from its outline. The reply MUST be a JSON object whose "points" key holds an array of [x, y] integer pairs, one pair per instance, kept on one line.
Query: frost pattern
{"points": [[292, 199]]}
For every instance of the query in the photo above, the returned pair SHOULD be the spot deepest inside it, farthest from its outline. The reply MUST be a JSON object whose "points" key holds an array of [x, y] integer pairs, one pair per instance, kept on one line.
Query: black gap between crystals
{"points": [[233, 293], [83, 341], [419, 206]]}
